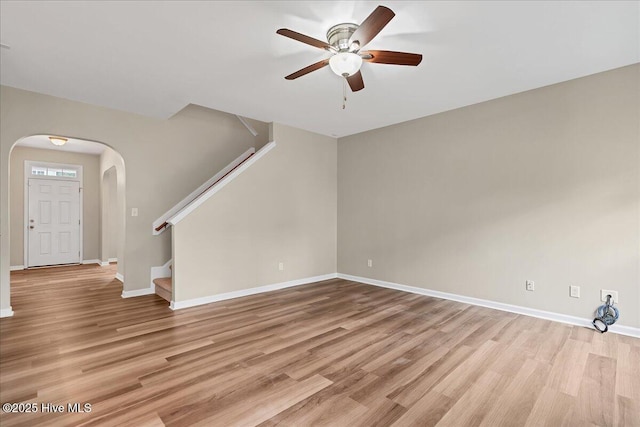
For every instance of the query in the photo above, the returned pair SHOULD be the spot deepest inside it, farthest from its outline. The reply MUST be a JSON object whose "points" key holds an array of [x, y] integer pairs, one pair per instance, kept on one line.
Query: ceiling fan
{"points": [[345, 41]]}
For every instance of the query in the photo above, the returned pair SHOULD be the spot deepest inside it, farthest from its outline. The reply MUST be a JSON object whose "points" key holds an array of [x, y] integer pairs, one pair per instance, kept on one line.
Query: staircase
{"points": [[163, 287]]}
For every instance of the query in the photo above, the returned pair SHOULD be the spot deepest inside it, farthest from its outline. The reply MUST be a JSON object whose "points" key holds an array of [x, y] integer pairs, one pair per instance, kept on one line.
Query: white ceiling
{"points": [[154, 58], [72, 145]]}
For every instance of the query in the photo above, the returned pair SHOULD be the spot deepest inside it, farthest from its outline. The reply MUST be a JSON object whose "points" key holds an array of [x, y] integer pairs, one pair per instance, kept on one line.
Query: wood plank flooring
{"points": [[334, 353]]}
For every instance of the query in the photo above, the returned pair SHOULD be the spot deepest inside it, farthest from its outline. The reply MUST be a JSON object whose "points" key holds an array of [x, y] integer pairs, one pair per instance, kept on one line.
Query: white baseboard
{"points": [[177, 305], [120, 277], [541, 314], [16, 267], [104, 263], [113, 259], [6, 312], [91, 261], [138, 292]]}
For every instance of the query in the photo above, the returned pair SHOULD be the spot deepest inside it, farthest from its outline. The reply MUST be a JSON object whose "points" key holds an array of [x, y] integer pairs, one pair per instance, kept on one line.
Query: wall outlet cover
{"points": [[605, 292], [574, 291]]}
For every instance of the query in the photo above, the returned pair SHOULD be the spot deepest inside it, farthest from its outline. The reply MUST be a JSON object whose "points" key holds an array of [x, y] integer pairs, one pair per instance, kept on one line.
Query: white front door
{"points": [[54, 222]]}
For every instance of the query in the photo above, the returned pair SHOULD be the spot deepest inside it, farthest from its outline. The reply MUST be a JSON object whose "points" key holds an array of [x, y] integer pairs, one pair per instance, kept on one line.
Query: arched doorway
{"points": [[35, 159]]}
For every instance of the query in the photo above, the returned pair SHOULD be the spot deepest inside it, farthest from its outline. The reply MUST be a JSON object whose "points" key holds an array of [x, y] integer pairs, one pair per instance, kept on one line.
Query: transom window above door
{"points": [[60, 172]]}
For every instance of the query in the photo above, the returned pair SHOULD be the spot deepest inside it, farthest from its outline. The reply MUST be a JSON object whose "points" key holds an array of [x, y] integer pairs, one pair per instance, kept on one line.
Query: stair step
{"points": [[163, 287], [163, 282]]}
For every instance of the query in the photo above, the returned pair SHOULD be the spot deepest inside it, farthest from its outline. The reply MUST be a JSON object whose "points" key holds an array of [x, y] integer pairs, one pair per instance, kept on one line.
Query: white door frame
{"points": [[28, 164]]}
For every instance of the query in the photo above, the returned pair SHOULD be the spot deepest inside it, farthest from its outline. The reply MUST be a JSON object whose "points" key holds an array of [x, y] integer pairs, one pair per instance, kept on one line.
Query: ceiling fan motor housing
{"points": [[339, 35]]}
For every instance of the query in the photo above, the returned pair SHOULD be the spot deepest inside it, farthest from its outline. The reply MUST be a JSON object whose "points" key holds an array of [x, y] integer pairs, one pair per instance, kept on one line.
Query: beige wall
{"points": [[542, 185], [165, 160], [111, 220], [91, 198], [281, 209], [114, 216]]}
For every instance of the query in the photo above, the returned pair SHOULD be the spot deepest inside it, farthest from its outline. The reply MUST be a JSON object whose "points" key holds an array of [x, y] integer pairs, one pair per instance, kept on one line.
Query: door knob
{"points": [[32, 227]]}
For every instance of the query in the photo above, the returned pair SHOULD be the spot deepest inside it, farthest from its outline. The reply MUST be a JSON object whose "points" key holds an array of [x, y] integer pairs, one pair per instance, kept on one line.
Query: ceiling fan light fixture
{"points": [[57, 140], [345, 64]]}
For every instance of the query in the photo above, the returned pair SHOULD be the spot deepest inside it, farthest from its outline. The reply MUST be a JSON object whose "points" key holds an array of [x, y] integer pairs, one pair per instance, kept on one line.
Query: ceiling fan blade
{"points": [[371, 26], [304, 39], [391, 57], [307, 70], [355, 82]]}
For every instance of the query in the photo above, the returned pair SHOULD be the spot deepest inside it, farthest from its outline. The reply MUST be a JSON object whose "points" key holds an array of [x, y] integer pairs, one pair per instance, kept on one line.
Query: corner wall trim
{"points": [[120, 277], [533, 312], [6, 312], [177, 305], [247, 125], [138, 292], [16, 267]]}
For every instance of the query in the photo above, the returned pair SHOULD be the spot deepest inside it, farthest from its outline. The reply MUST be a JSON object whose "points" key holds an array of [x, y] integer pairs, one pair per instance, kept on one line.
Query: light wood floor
{"points": [[333, 353]]}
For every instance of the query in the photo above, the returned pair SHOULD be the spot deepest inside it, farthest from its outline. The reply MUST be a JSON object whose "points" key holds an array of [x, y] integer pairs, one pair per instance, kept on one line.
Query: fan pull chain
{"points": [[344, 93]]}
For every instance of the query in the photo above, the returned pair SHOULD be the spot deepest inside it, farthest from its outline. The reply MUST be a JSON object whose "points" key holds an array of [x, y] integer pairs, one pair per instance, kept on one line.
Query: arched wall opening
{"points": [[103, 183]]}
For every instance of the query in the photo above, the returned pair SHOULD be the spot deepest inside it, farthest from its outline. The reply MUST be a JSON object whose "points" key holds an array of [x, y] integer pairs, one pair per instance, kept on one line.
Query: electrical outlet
{"points": [[530, 286], [281, 266], [369, 263], [605, 292], [134, 211], [574, 291]]}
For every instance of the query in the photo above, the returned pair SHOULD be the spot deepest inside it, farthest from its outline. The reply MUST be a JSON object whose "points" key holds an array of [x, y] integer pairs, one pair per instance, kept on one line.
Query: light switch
{"points": [[134, 211], [574, 291]]}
